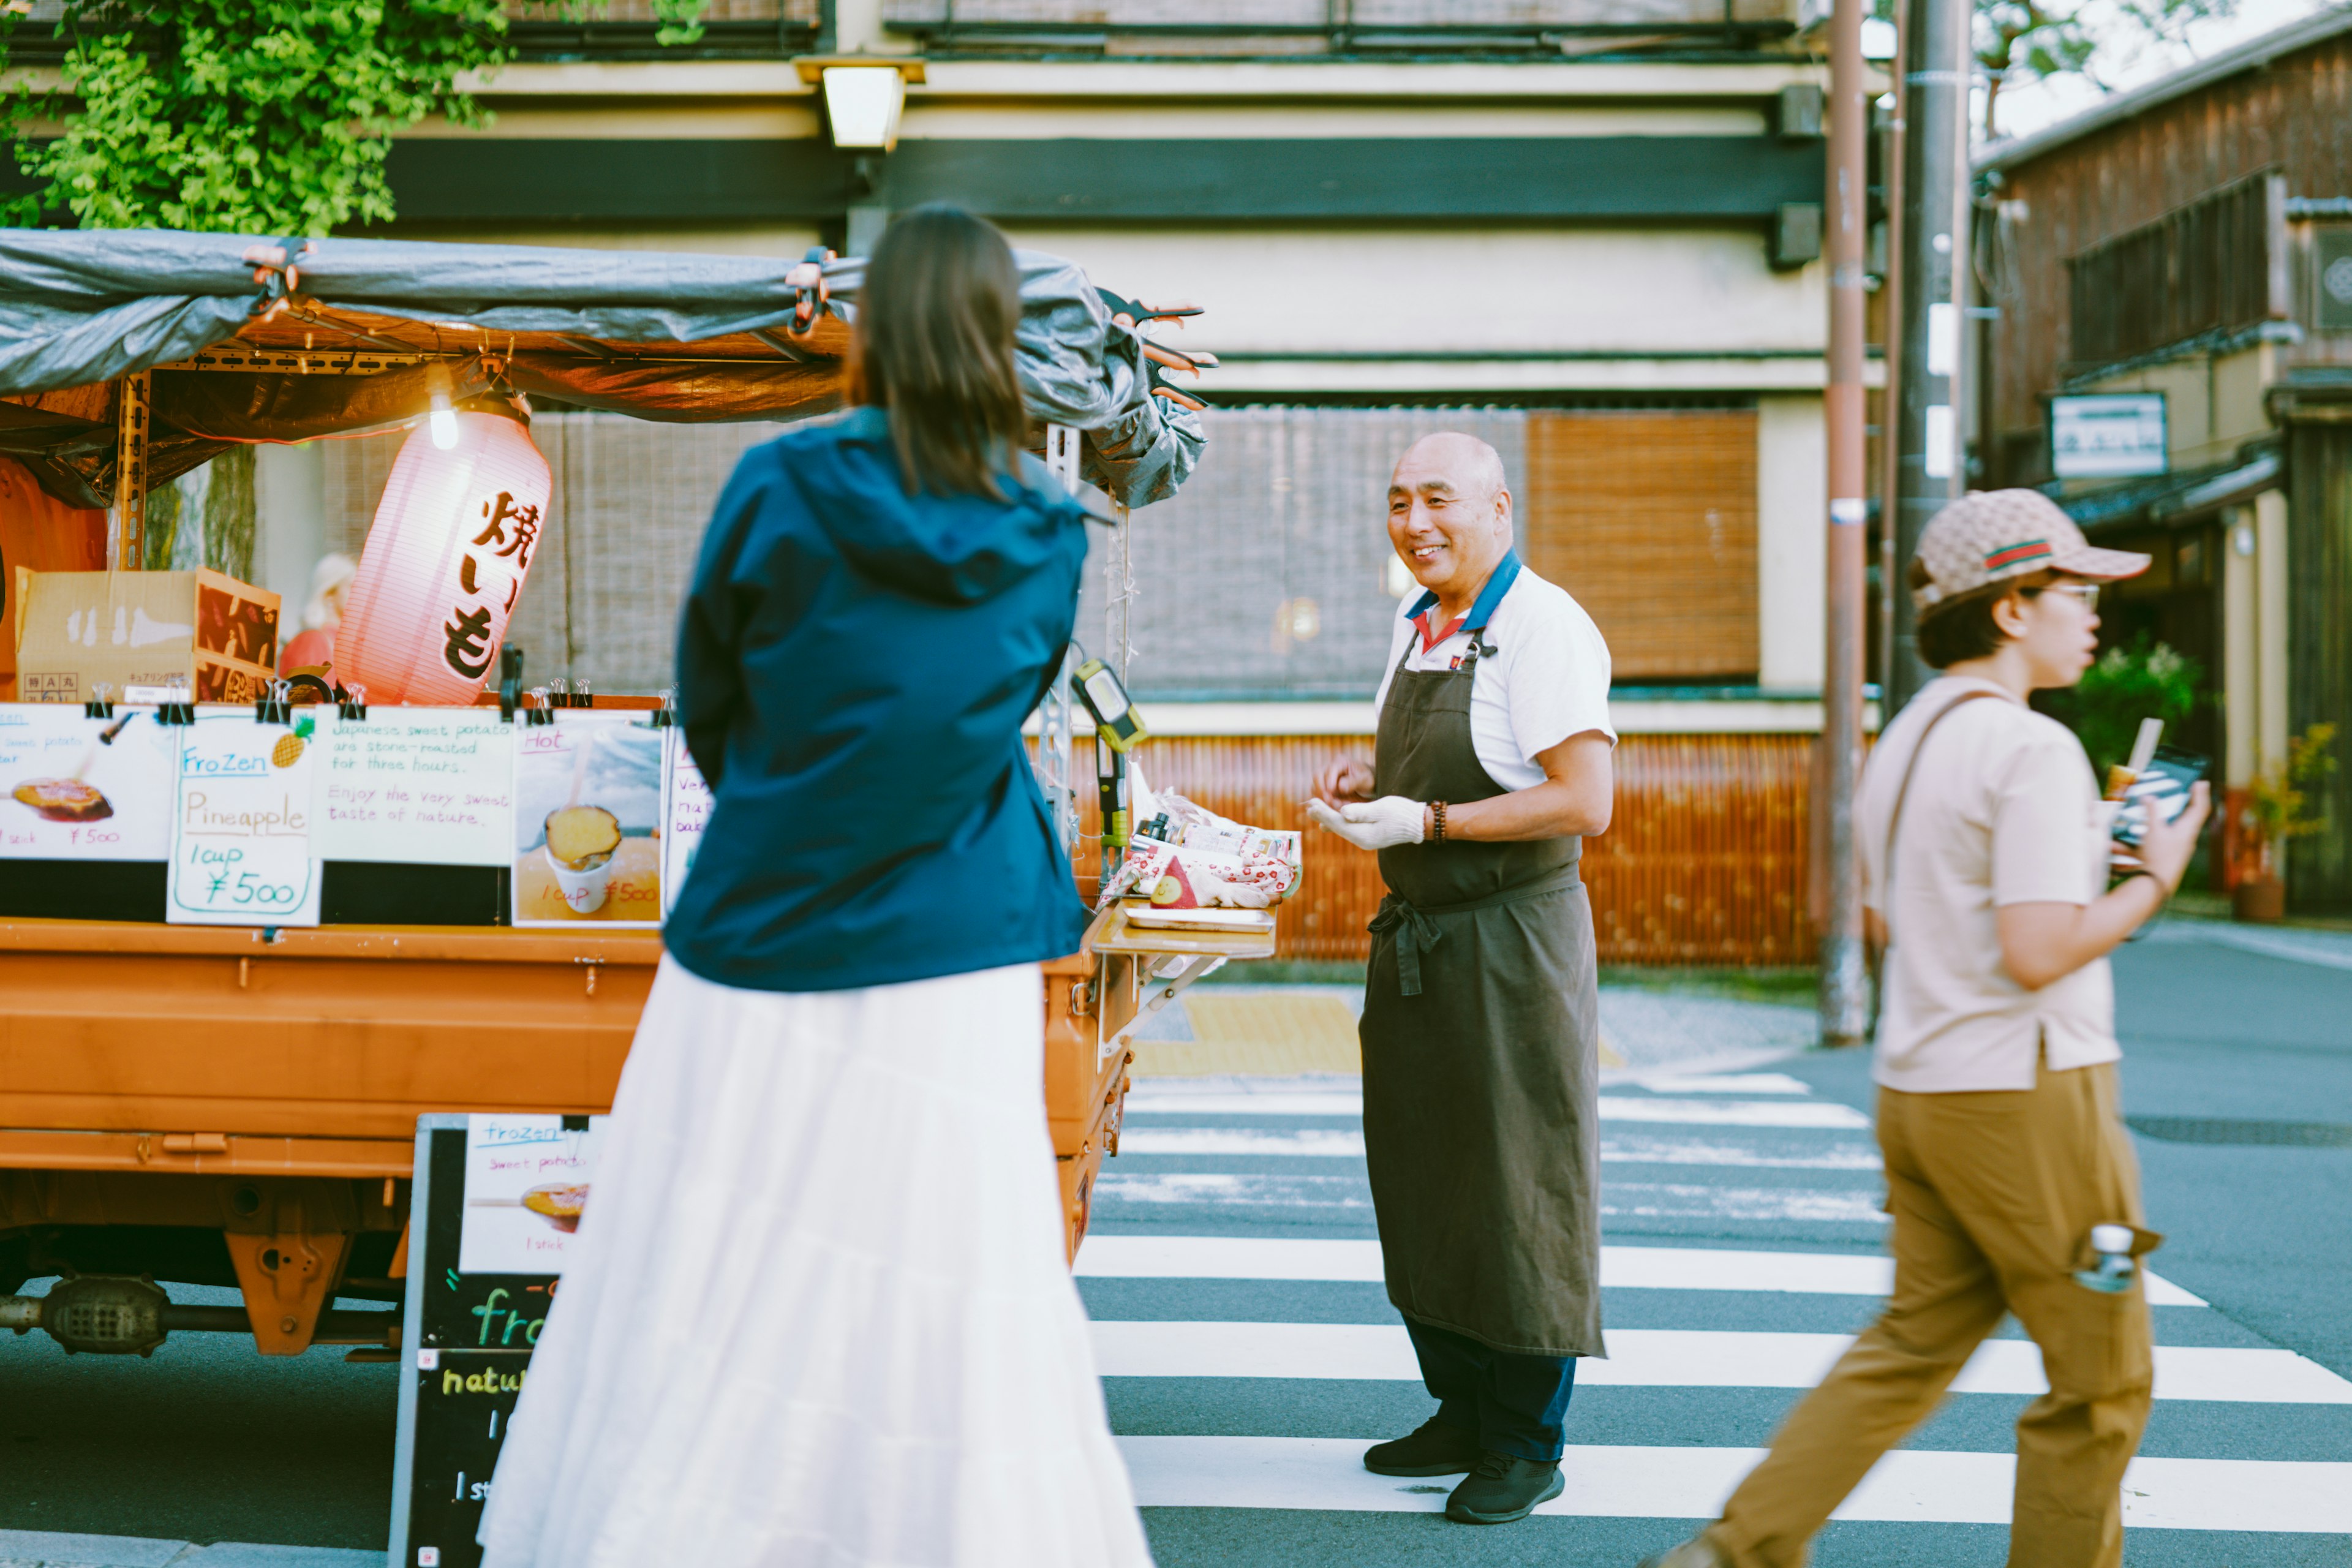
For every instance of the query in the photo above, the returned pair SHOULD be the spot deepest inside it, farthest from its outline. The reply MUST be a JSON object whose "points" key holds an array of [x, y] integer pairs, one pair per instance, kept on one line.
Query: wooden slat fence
{"points": [[2209, 267], [1703, 863]]}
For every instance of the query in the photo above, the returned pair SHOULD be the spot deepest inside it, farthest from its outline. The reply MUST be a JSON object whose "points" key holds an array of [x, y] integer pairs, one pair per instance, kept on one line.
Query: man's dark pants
{"points": [[1516, 1404]]}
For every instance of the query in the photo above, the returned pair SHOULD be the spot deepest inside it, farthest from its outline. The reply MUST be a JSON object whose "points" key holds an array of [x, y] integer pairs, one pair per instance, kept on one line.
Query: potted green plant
{"points": [[2142, 679], [2277, 809]]}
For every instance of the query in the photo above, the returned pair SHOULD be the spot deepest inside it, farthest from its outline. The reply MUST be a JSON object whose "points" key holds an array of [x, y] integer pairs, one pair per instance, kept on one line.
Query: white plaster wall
{"points": [[2212, 403], [1791, 544], [2271, 571], [1449, 288], [2242, 682]]}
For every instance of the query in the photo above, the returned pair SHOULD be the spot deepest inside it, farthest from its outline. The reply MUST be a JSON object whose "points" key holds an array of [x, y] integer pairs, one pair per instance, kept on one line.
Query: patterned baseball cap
{"points": [[1989, 536]]}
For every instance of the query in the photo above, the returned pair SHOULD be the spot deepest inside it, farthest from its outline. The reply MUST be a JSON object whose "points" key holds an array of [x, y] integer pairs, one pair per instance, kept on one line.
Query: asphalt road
{"points": [[209, 1442]]}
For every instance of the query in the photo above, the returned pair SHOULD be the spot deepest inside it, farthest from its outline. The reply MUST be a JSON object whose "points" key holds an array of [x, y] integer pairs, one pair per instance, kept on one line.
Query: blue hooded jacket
{"points": [[854, 669]]}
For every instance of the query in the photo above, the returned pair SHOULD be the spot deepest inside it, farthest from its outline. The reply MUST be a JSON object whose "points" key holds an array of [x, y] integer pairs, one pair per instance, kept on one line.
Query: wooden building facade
{"points": [[1586, 230], [2192, 238]]}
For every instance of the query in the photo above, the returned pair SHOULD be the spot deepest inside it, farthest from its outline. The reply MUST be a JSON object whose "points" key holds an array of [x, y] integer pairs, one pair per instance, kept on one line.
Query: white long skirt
{"points": [[818, 1312]]}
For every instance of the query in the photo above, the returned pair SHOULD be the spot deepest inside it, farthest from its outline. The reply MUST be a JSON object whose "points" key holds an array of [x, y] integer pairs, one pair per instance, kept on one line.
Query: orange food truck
{"points": [[211, 1069]]}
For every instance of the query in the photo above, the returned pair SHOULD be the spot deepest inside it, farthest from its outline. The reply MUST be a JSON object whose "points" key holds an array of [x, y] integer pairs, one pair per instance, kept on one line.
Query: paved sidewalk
{"points": [[47, 1549]]}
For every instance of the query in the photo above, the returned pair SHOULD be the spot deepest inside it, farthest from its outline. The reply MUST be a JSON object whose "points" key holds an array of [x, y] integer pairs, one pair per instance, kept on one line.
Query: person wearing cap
{"points": [[1481, 1022], [1987, 856]]}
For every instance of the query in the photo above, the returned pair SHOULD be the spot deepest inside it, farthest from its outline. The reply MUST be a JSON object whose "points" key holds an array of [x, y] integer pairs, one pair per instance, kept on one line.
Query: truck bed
{"points": [[230, 1105]]}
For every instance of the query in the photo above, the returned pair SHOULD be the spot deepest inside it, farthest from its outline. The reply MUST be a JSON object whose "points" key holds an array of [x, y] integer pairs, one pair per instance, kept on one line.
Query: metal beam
{"points": [[243, 357], [126, 541]]}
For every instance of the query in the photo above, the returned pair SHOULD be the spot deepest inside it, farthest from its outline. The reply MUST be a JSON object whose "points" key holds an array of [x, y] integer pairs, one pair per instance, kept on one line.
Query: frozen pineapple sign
{"points": [[241, 823]]}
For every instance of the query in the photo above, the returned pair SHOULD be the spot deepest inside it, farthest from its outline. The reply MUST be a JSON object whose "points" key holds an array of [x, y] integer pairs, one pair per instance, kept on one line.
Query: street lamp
{"points": [[862, 104], [865, 95]]}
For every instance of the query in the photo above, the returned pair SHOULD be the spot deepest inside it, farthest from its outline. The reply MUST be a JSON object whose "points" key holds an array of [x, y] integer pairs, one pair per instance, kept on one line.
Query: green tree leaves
{"points": [[2023, 41], [266, 117]]}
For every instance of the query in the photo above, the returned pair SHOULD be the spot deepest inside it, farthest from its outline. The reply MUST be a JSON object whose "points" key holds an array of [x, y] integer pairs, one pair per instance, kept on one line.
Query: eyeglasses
{"points": [[2088, 593]]}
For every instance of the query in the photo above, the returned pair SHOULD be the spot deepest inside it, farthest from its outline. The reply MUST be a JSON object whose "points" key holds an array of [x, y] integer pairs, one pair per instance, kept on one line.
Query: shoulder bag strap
{"points": [[1902, 792]]}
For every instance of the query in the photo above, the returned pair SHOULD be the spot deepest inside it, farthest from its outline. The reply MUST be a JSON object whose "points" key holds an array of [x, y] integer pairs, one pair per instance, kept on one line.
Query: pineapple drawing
{"points": [[290, 747]]}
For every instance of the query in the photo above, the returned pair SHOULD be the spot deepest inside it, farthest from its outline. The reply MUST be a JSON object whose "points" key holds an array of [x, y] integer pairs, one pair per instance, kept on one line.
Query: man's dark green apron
{"points": [[1481, 1037]]}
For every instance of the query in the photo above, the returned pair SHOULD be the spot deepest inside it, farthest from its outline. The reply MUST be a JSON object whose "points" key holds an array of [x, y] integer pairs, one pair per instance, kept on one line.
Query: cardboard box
{"points": [[75, 629]]}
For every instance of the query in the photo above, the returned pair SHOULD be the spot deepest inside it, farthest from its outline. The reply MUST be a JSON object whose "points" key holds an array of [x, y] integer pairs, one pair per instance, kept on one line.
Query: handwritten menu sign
{"points": [[685, 812], [587, 820], [478, 1298], [431, 786], [241, 810], [89, 789]]}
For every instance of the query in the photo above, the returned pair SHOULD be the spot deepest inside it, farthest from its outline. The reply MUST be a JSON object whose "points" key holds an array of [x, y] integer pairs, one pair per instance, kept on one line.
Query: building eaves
{"points": [[2171, 498], [2251, 55]]}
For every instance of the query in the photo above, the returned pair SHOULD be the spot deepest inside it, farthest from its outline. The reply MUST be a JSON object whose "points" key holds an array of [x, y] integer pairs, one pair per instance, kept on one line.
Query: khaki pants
{"points": [[1994, 1196]]}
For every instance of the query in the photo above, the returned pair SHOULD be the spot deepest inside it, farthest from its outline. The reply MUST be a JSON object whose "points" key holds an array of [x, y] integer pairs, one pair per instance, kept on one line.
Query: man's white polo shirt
{"points": [[1547, 679]]}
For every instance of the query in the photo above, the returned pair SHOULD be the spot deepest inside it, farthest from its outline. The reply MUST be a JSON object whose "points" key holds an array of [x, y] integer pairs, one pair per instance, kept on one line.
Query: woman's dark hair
{"points": [[1960, 628], [934, 347]]}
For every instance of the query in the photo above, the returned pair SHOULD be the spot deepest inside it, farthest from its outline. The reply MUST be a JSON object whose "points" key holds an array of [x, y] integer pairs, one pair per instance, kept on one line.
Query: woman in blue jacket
{"points": [[818, 1311]]}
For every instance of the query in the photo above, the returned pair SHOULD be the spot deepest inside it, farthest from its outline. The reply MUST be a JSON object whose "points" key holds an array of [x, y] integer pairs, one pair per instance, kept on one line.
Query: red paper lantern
{"points": [[445, 563]]}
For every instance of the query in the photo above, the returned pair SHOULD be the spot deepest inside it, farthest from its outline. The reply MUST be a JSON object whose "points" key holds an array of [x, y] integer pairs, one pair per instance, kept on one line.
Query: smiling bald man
{"points": [[1481, 1027]]}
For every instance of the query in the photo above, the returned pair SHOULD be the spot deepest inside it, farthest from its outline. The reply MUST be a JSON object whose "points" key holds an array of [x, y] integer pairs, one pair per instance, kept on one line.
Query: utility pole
{"points": [[1890, 449], [1845, 1002], [1938, 63]]}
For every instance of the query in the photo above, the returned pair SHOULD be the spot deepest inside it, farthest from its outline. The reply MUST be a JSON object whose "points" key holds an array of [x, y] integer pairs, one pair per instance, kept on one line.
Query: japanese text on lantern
{"points": [[514, 531]]}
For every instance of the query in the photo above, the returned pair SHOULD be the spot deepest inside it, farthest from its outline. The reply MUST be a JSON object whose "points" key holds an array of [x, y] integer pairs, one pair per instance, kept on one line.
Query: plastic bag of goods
{"points": [[1186, 857]]}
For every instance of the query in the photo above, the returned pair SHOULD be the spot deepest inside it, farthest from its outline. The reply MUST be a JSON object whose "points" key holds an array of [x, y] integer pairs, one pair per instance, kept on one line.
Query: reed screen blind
{"points": [[1649, 517], [1268, 576]]}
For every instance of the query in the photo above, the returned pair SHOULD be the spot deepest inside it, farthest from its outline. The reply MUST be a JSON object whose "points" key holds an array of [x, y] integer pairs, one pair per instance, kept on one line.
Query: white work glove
{"points": [[1372, 825]]}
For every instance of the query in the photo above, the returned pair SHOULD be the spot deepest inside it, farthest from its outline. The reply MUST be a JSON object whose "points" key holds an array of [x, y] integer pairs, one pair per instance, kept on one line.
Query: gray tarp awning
{"points": [[367, 326]]}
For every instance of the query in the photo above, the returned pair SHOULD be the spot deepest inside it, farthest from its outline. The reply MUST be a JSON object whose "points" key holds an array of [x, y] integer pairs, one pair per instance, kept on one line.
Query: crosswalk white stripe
{"points": [[1675, 1358], [1148, 1098], [1808, 1113], [1346, 1191], [1688, 1200], [1332, 1142], [1625, 1268], [1821, 1114], [1337, 1143], [1725, 1083], [1637, 1149], [1909, 1486]]}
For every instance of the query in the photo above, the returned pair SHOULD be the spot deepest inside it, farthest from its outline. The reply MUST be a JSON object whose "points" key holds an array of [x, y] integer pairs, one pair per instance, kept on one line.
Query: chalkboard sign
{"points": [[492, 1203]]}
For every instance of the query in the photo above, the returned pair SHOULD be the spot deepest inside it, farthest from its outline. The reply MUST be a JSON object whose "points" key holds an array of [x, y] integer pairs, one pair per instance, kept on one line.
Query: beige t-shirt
{"points": [[2003, 809]]}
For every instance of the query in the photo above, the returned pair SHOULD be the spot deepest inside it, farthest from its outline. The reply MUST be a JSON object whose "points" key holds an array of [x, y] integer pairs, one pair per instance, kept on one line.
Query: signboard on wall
{"points": [[2331, 270], [2107, 436]]}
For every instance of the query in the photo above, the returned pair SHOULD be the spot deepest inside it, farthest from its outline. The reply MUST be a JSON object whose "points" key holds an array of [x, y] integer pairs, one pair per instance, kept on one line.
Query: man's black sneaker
{"points": [[1436, 1448], [1503, 1488]]}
